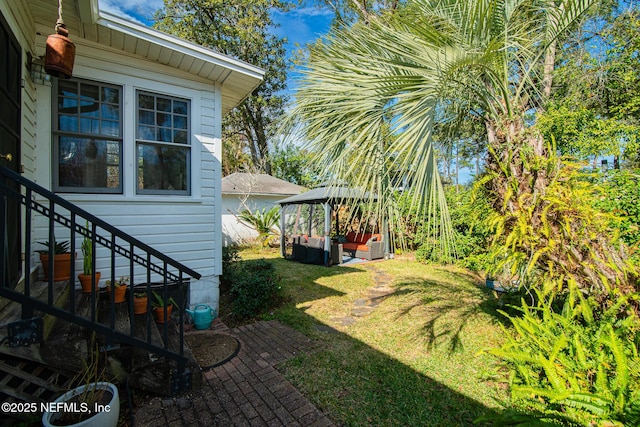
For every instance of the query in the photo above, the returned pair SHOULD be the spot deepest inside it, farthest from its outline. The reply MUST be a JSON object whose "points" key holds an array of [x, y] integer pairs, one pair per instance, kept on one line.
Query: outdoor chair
{"points": [[364, 245]]}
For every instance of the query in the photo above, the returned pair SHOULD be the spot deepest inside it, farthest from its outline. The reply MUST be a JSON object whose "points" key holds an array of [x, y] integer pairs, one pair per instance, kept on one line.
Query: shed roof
{"points": [[325, 194], [258, 184], [237, 79]]}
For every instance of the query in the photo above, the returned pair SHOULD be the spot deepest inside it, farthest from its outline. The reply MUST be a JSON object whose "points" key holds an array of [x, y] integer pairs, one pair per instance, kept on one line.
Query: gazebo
{"points": [[306, 226]]}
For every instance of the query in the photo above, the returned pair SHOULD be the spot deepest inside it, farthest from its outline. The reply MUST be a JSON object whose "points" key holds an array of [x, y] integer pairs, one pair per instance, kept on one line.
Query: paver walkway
{"points": [[246, 391]]}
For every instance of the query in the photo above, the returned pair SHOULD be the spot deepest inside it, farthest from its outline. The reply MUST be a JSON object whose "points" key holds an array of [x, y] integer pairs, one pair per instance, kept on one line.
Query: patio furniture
{"points": [[316, 213], [309, 250], [337, 251], [364, 245]]}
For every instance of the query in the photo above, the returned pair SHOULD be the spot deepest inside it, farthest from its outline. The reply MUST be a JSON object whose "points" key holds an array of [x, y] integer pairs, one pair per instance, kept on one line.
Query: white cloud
{"points": [[311, 12], [140, 11]]}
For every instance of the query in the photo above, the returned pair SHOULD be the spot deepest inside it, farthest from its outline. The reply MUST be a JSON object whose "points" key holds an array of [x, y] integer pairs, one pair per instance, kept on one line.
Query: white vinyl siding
{"points": [[183, 227]]}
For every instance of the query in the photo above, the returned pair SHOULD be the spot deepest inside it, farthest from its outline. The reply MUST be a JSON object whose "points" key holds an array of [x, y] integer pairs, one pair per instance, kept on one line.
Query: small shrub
{"points": [[255, 288], [230, 257], [264, 221]]}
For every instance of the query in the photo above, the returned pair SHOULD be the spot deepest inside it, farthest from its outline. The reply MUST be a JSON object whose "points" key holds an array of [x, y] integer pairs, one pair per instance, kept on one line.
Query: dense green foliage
{"points": [[293, 164], [551, 236], [621, 196], [577, 365], [469, 210], [230, 257], [255, 288], [596, 100]]}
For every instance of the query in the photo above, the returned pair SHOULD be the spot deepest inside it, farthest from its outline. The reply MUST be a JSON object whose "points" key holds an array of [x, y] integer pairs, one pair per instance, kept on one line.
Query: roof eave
{"points": [[240, 80]]}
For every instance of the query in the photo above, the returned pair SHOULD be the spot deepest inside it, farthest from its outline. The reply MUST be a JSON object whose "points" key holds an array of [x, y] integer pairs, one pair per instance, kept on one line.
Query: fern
{"points": [[578, 362]]}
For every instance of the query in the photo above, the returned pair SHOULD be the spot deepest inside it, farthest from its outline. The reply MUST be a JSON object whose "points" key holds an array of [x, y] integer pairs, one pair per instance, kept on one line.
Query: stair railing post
{"points": [[27, 309], [4, 250]]}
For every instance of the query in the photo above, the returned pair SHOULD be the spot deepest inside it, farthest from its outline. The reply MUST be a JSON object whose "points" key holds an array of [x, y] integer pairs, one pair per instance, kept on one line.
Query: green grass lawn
{"points": [[413, 360]]}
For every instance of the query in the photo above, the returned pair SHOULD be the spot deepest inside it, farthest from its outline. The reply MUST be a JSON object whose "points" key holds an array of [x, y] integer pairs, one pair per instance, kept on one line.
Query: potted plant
{"points": [[159, 304], [93, 403], [119, 288], [87, 266], [140, 302], [61, 260]]}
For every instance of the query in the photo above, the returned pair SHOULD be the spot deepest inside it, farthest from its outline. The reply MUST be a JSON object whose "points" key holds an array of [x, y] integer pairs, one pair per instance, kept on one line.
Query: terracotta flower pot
{"points": [[61, 266], [140, 305], [119, 293], [159, 313], [85, 282]]}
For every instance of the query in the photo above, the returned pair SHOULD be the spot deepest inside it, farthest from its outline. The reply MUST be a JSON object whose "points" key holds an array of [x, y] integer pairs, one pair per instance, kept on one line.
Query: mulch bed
{"points": [[212, 349]]}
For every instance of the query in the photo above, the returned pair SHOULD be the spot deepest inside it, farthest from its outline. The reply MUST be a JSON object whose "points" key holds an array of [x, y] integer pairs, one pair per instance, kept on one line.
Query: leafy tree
{"points": [[579, 132], [239, 28], [292, 163], [235, 155], [598, 96], [349, 11]]}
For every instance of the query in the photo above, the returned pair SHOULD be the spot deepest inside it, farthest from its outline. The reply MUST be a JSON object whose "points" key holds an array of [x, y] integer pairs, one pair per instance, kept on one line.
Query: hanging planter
{"points": [[60, 51]]}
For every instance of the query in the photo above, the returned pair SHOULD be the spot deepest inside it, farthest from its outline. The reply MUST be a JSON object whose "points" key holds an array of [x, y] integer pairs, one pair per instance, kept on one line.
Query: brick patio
{"points": [[246, 391]]}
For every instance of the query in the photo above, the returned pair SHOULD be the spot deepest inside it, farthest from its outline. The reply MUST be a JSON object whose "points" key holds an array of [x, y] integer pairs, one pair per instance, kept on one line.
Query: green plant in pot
{"points": [[159, 304], [86, 278], [61, 260], [140, 302], [94, 401], [119, 288]]}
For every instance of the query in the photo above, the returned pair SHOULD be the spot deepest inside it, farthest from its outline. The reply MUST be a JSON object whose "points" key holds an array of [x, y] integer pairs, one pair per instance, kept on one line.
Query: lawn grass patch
{"points": [[412, 360]]}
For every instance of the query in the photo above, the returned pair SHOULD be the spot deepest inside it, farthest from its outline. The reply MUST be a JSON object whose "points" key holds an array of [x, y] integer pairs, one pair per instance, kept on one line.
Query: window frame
{"points": [[57, 134], [138, 141]]}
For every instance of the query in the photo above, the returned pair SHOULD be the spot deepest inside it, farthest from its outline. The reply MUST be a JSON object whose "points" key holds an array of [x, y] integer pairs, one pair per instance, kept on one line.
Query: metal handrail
{"points": [[127, 250]]}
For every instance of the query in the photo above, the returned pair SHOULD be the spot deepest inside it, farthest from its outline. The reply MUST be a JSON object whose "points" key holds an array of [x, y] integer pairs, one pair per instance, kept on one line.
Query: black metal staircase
{"points": [[44, 210]]}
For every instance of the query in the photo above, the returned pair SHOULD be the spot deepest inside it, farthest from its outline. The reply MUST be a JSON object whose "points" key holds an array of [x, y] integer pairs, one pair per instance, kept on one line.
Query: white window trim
{"points": [[130, 86]]}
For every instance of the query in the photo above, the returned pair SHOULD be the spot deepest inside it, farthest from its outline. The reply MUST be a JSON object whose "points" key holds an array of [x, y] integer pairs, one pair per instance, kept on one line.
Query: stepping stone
{"points": [[345, 321], [361, 311]]}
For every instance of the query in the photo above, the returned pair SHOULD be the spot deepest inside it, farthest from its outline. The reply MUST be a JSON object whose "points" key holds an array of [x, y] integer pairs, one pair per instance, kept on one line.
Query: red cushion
{"points": [[361, 237], [355, 247]]}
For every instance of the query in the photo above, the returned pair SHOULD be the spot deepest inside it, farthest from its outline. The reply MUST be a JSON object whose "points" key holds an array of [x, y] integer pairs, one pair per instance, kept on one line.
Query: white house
{"points": [[254, 192], [134, 137]]}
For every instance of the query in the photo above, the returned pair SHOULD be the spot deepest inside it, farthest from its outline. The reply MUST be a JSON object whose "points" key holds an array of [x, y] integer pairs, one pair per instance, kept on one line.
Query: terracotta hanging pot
{"points": [[60, 53]]}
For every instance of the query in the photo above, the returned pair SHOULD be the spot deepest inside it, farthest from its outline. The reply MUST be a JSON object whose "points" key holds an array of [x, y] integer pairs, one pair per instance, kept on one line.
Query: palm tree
{"points": [[371, 94], [264, 221]]}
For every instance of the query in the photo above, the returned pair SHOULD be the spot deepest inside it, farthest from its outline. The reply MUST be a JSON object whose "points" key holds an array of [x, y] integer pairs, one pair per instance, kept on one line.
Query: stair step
{"points": [[11, 312], [67, 345]]}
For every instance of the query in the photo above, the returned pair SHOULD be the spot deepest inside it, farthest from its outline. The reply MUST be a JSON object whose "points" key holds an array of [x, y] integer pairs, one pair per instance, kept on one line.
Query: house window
{"points": [[163, 147], [87, 137]]}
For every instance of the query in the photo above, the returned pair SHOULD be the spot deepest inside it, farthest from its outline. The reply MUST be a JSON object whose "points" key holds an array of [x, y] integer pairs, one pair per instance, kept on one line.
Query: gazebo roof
{"points": [[325, 194]]}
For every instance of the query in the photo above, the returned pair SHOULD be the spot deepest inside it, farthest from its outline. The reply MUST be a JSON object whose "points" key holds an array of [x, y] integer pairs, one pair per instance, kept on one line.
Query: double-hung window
{"points": [[163, 147], [89, 140], [87, 137]]}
